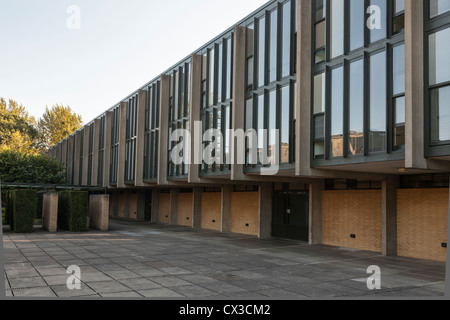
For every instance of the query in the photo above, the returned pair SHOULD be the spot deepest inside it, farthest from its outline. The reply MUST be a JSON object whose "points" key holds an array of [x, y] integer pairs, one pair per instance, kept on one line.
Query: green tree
{"points": [[57, 123], [18, 130]]}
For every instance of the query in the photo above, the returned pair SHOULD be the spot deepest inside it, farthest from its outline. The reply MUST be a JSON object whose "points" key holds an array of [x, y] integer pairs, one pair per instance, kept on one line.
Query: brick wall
{"points": [[164, 208], [185, 209], [245, 211], [350, 212], [422, 223], [211, 210]]}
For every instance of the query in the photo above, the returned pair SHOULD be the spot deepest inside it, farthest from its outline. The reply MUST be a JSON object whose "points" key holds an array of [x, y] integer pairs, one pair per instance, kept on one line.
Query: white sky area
{"points": [[120, 46]]}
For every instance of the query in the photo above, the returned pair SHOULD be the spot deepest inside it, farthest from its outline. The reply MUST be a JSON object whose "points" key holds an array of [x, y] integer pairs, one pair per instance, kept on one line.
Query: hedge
{"points": [[21, 210], [73, 210]]}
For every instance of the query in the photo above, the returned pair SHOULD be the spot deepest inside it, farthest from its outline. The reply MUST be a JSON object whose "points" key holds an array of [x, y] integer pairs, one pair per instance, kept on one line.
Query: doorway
{"points": [[291, 215]]}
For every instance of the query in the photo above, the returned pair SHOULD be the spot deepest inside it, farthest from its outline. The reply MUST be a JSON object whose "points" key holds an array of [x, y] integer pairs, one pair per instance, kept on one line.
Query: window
{"points": [[356, 108], [398, 88], [438, 7], [261, 52], [130, 145], [320, 31], [399, 16], [114, 146], [319, 116], [377, 135], [286, 41], [439, 82], [378, 19], [357, 24], [273, 46], [285, 129], [337, 112], [337, 28], [101, 151]]}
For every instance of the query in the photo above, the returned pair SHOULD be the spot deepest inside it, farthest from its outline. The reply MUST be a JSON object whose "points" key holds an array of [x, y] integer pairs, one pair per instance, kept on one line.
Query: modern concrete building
{"points": [[360, 94]]}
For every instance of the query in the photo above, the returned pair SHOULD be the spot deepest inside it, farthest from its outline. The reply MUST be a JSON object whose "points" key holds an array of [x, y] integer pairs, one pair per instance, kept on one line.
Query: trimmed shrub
{"points": [[22, 205], [73, 209]]}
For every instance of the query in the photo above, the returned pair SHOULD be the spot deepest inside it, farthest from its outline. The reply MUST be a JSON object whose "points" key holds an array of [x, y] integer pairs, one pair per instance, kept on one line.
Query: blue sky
{"points": [[120, 46]]}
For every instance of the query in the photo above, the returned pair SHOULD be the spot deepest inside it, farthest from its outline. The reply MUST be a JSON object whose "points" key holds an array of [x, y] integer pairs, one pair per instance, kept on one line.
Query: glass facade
{"points": [[271, 34], [358, 81], [151, 143]]}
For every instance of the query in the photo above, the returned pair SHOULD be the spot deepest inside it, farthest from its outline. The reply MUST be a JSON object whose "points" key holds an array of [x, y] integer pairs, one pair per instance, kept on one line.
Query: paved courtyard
{"points": [[137, 260]]}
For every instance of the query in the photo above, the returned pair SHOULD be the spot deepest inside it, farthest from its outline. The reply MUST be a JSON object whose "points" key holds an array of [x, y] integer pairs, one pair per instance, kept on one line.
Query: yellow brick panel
{"points": [[352, 212], [211, 210], [185, 209], [245, 213], [164, 208], [422, 223]]}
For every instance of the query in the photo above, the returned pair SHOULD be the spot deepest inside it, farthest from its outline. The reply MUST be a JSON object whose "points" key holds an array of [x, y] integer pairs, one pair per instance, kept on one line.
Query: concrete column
{"points": [[76, 162], [155, 206], [196, 100], [389, 213], [415, 78], [239, 88], [107, 150], [95, 149], [141, 205], [304, 86], [140, 138], [197, 208], [315, 211], [174, 206], [122, 145], [50, 212], [70, 145], [87, 131], [265, 210], [226, 208], [99, 212], [164, 130]]}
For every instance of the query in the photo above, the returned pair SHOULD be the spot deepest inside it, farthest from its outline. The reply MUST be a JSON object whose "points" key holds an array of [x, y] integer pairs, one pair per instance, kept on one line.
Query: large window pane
{"points": [[219, 72], [249, 126], [320, 9], [357, 24], [320, 35], [399, 6], [337, 112], [378, 20], [261, 51], [440, 114], [319, 93], [399, 122], [438, 7], [377, 138], [285, 123], [398, 71], [272, 123], [211, 78], [229, 68], [260, 126], [286, 55], [356, 108], [337, 28], [273, 46], [439, 53]]}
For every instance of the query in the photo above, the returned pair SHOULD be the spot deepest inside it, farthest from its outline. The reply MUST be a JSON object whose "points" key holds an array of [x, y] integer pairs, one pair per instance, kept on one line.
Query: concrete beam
{"points": [[415, 79]]}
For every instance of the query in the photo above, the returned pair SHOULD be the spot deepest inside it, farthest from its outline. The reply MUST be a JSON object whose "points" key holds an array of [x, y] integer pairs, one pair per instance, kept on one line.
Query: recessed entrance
{"points": [[291, 215]]}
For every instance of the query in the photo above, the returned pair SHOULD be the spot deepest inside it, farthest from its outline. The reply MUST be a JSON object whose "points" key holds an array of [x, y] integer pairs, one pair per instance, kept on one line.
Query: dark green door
{"points": [[291, 216]]}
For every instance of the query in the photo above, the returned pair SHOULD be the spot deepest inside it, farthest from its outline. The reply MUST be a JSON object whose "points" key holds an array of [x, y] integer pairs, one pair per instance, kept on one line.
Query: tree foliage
{"points": [[18, 131], [57, 123], [16, 167]]}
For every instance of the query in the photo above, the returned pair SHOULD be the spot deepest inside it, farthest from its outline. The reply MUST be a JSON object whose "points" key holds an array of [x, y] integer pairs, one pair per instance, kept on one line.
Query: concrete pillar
{"points": [[99, 212], [140, 138], [155, 206], [226, 208], [50, 212], [122, 145], [389, 213], [196, 100], [85, 175], [315, 211], [95, 150], [415, 79], [107, 150], [265, 210], [174, 206], [239, 89], [303, 112], [197, 208], [164, 130], [70, 145]]}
